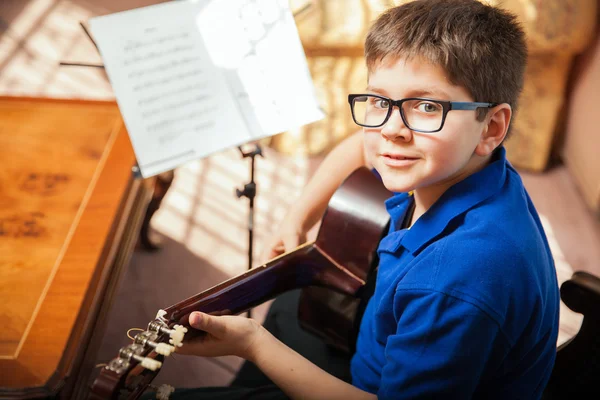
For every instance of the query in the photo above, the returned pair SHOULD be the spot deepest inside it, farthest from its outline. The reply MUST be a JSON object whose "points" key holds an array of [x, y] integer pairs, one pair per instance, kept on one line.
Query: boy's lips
{"points": [[399, 156], [398, 159]]}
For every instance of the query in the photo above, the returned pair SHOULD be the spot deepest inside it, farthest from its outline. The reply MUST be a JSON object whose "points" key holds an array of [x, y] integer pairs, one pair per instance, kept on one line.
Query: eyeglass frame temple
{"points": [[468, 105]]}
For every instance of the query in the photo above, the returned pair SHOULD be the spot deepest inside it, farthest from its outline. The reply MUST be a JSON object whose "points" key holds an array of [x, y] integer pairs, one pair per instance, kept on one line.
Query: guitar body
{"points": [[332, 316], [352, 227], [340, 259]]}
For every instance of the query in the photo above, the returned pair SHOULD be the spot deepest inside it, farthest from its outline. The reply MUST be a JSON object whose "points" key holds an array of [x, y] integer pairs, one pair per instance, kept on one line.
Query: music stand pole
{"points": [[249, 191]]}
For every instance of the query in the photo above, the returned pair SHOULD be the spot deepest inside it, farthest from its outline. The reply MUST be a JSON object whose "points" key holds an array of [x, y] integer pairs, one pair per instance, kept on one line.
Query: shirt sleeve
{"points": [[440, 349]]}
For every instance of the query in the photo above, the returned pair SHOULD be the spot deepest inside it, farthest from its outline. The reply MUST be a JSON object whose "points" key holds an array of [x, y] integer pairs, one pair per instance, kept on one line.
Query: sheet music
{"points": [[195, 77]]}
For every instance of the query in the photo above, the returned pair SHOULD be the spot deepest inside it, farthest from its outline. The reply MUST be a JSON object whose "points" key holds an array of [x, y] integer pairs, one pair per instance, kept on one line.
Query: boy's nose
{"points": [[395, 128]]}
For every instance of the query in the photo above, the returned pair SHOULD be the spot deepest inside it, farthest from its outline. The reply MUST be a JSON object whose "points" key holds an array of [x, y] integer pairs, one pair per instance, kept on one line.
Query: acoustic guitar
{"points": [[340, 260]]}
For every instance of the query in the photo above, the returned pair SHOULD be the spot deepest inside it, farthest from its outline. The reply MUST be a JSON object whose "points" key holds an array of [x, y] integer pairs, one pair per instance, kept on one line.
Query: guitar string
{"points": [[129, 336], [133, 329]]}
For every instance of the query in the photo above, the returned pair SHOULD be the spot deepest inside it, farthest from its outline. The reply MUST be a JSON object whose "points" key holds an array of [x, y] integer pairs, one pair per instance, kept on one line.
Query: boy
{"points": [[466, 300]]}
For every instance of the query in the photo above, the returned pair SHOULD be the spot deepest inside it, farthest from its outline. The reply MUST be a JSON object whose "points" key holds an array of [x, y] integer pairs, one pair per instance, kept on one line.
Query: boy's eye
{"points": [[428, 107], [381, 103]]}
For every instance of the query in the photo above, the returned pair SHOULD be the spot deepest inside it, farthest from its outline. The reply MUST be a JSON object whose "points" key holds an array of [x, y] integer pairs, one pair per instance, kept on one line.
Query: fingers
{"points": [[208, 324], [282, 244], [271, 251], [290, 242], [225, 335]]}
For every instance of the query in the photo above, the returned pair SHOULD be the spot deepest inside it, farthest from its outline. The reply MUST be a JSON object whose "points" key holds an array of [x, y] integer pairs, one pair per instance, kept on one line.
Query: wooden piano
{"points": [[70, 216]]}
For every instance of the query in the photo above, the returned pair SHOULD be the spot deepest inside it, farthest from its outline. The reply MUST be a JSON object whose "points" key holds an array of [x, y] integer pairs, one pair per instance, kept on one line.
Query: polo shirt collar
{"points": [[459, 198]]}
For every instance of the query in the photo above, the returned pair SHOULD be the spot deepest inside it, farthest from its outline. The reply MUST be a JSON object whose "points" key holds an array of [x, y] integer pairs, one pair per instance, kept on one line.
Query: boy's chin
{"points": [[396, 185]]}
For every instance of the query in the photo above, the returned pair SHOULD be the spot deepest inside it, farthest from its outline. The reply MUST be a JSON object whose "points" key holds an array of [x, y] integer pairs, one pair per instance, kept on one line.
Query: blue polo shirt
{"points": [[466, 302]]}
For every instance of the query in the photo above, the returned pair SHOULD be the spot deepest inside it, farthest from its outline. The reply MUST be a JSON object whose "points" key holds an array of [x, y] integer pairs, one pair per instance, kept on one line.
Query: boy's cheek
{"points": [[370, 146], [370, 155]]}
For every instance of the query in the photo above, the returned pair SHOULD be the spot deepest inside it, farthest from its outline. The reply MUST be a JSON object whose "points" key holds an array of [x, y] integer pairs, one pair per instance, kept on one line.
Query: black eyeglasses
{"points": [[418, 114]]}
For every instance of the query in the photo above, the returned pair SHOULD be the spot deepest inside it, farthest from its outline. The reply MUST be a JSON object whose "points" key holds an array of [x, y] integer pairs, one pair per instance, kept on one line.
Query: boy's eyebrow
{"points": [[376, 90], [433, 92], [426, 92]]}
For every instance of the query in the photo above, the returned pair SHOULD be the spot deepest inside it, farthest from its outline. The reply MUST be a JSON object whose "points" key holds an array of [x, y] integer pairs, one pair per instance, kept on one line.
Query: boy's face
{"points": [[408, 160]]}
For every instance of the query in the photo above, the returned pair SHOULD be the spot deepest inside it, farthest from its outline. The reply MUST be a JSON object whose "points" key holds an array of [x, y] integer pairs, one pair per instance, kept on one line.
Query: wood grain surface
{"points": [[66, 166]]}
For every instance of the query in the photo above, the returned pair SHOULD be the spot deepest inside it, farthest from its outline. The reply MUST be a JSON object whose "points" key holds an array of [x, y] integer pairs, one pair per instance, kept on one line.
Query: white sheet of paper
{"points": [[198, 76]]}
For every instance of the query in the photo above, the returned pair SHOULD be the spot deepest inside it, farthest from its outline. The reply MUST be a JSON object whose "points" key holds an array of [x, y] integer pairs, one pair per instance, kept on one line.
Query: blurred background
{"points": [[201, 223]]}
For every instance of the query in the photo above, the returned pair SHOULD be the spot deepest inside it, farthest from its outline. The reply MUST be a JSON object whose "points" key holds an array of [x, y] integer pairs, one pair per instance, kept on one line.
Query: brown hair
{"points": [[482, 48]]}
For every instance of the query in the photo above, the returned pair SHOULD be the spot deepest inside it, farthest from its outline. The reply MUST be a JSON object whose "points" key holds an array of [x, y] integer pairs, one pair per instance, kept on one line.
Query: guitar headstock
{"points": [[127, 376]]}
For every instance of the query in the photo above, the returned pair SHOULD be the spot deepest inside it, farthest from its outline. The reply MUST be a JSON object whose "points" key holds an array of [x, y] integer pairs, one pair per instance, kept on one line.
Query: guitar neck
{"points": [[306, 266]]}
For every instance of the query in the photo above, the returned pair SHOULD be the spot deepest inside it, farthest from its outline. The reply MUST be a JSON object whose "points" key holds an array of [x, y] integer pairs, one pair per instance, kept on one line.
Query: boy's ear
{"points": [[496, 127]]}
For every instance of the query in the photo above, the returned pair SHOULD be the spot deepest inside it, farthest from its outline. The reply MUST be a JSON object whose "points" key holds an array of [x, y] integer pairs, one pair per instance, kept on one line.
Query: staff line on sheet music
{"points": [[168, 122], [174, 134], [163, 67], [161, 161], [177, 91], [136, 45], [182, 103], [149, 84], [156, 54]]}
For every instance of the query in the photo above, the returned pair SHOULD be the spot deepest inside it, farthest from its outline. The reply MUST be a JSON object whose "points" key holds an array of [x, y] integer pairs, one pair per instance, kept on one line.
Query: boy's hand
{"points": [[285, 239], [225, 335]]}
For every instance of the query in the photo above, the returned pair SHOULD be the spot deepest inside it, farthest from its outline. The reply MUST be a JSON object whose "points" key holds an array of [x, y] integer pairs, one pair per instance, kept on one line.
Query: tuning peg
{"points": [[148, 338], [176, 334], [164, 391], [118, 365], [133, 351], [164, 349], [148, 363]]}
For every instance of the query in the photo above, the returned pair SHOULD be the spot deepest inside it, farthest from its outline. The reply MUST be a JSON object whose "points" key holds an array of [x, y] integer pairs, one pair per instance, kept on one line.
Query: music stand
{"points": [[249, 192]]}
